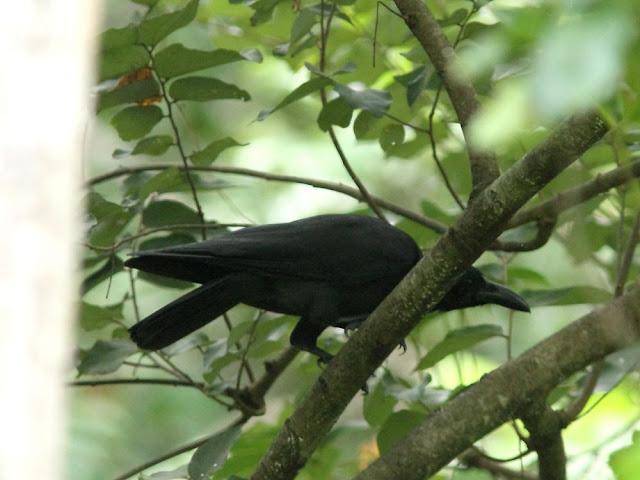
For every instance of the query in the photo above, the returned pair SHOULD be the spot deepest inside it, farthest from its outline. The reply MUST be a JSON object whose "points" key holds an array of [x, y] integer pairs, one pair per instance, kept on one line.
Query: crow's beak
{"points": [[494, 293]]}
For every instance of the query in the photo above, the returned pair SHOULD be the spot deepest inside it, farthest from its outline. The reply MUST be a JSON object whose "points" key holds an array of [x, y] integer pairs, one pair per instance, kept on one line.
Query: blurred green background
{"points": [[533, 63]]}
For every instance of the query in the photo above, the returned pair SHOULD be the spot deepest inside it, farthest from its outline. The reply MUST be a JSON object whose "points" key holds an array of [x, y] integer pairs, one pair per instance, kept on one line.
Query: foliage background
{"points": [[533, 62]]}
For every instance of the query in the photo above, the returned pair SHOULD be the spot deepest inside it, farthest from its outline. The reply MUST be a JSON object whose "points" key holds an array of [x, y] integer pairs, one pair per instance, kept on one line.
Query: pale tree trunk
{"points": [[47, 52]]}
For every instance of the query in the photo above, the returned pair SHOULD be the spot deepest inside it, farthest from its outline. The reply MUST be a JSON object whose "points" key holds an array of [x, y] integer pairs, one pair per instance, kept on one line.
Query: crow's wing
{"points": [[346, 249]]}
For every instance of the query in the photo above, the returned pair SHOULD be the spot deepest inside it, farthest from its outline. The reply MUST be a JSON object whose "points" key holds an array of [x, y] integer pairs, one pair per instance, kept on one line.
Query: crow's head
{"points": [[472, 289]]}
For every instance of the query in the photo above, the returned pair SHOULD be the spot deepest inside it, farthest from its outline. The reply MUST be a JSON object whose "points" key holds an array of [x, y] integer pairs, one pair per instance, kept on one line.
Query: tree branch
{"points": [[545, 437], [419, 291], [335, 187], [484, 167], [578, 195], [507, 391]]}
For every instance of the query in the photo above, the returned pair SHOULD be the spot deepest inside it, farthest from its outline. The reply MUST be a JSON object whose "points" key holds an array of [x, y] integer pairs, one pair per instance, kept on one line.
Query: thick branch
{"points": [[484, 168], [507, 391], [578, 195], [419, 291]]}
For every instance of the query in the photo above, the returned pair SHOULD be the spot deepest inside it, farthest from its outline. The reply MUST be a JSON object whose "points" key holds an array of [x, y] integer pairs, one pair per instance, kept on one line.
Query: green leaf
{"points": [[118, 37], [433, 211], [110, 218], [173, 180], [154, 29], [375, 101], [111, 266], [301, 91], [422, 235], [121, 61], [94, 317], [391, 137], [397, 426], [566, 296], [179, 473], [263, 11], [210, 153], [205, 88], [165, 241], [456, 18], [336, 112], [168, 212], [303, 23], [625, 462], [211, 455], [457, 340], [218, 364], [148, 3], [136, 122], [176, 59], [131, 93], [155, 145], [106, 356], [367, 126], [247, 451], [415, 82], [378, 404]]}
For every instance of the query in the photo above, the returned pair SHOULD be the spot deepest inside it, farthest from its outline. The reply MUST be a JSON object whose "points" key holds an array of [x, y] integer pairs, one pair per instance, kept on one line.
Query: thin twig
{"points": [[183, 155], [136, 381], [243, 359], [354, 193], [572, 412], [578, 195], [244, 364], [166, 228], [174, 453], [325, 28], [406, 124]]}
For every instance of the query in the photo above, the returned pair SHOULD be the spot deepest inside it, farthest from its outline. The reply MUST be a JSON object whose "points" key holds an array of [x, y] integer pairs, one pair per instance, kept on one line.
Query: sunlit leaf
{"points": [[625, 462]]}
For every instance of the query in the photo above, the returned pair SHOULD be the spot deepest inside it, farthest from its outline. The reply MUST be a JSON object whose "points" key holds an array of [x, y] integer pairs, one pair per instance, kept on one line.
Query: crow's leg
{"points": [[304, 336]]}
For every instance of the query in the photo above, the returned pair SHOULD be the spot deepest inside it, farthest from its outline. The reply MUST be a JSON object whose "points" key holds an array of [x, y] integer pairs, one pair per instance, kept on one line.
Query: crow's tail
{"points": [[185, 315]]}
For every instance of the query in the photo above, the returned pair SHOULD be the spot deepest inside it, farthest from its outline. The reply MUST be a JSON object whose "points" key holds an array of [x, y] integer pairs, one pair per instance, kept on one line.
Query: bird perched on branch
{"points": [[330, 270]]}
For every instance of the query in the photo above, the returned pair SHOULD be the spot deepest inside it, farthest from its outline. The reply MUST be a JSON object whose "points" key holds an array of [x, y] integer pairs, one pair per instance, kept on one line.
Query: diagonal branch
{"points": [[508, 391], [578, 195], [484, 167], [312, 182], [419, 291]]}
